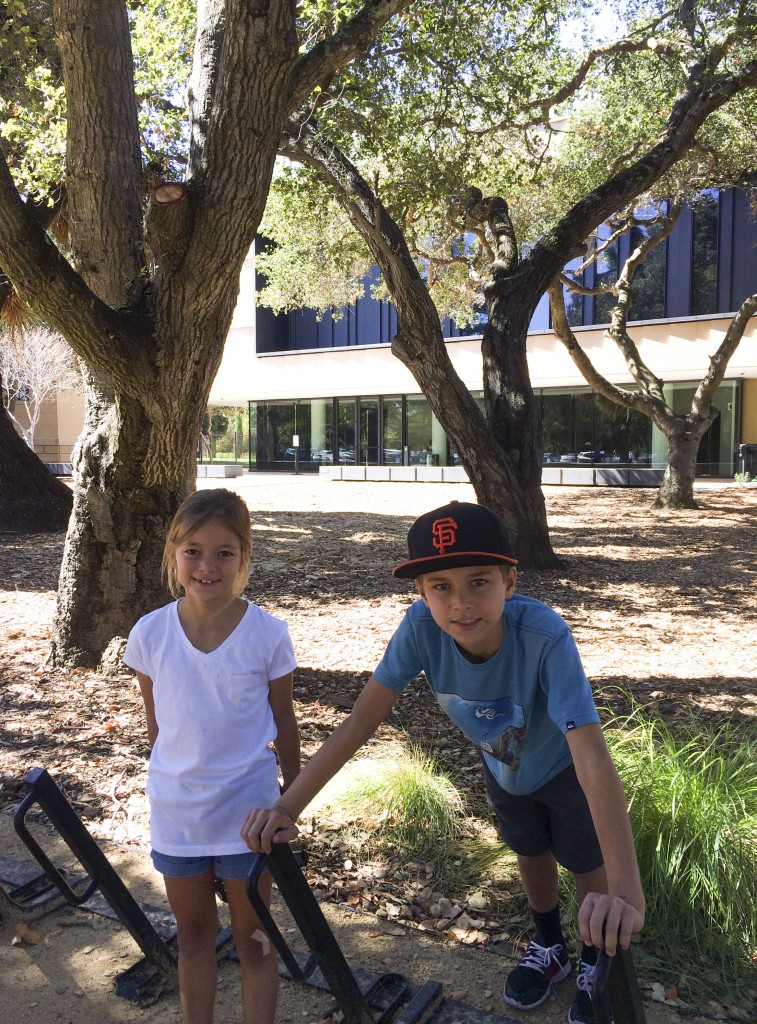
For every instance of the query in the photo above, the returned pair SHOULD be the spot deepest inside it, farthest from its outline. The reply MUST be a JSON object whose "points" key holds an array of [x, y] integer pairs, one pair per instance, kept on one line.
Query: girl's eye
{"points": [[226, 554], [191, 552]]}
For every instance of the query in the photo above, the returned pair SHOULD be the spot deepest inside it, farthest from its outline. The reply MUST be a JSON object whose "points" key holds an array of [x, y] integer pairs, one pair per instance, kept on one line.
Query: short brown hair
{"points": [[196, 510]]}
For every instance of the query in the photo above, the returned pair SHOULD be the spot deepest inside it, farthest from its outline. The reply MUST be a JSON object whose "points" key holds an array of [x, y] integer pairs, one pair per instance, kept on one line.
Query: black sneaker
{"points": [[530, 983], [581, 1012]]}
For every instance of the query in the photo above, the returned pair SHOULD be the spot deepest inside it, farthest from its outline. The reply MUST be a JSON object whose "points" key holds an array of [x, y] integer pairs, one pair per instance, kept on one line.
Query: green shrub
{"points": [[693, 808]]}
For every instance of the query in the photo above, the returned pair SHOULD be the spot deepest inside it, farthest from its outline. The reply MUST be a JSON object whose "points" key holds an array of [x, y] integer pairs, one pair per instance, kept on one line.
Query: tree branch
{"points": [[46, 280], [349, 42], [103, 161], [694, 104], [635, 400], [719, 361]]}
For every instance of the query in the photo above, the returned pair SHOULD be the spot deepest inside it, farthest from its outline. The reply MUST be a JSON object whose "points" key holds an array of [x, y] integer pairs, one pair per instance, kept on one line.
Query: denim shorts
{"points": [[231, 865]]}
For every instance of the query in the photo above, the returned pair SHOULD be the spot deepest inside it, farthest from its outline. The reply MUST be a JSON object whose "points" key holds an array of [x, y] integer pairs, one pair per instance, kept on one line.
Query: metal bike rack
{"points": [[386, 993], [616, 996], [100, 874]]}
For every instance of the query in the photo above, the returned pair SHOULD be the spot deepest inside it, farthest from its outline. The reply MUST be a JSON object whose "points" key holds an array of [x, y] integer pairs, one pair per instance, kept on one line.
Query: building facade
{"points": [[306, 394], [299, 394]]}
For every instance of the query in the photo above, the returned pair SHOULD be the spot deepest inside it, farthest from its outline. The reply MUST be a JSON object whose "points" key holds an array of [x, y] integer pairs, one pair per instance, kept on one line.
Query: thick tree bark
{"points": [[149, 322], [677, 488], [32, 500]]}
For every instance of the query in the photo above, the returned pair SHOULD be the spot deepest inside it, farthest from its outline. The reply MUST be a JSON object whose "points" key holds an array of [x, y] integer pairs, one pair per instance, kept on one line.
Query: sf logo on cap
{"points": [[445, 533]]}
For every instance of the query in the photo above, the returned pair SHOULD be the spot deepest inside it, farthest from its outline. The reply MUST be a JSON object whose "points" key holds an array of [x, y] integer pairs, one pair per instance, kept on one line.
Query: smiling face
{"points": [[209, 563], [467, 603]]}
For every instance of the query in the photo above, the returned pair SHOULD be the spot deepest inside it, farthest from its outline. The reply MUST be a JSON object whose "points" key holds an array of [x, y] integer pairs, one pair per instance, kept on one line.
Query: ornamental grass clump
{"points": [[401, 800], [693, 806]]}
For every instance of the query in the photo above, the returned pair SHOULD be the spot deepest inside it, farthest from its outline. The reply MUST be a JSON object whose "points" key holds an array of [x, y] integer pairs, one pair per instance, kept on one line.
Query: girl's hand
{"points": [[266, 825]]}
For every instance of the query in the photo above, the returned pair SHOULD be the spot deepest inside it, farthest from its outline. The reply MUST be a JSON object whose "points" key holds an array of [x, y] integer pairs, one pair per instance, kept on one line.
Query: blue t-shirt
{"points": [[517, 706]]}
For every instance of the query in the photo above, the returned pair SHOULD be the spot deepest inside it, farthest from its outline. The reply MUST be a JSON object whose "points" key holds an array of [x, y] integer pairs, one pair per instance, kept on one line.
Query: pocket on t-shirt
{"points": [[248, 690]]}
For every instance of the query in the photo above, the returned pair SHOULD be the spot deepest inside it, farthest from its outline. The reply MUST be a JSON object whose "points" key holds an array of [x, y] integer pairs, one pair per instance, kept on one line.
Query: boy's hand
{"points": [[608, 922], [266, 825]]}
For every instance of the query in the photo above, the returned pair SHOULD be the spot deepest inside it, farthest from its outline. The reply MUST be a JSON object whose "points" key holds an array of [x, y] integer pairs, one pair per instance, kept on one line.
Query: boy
{"points": [[506, 670]]}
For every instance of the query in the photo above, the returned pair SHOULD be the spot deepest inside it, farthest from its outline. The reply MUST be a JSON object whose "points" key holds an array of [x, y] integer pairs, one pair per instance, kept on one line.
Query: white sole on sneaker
{"points": [[561, 975]]}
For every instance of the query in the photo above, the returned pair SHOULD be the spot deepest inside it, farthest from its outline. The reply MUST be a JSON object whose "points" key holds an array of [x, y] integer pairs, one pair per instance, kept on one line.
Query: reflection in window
{"points": [[648, 287], [574, 303], [557, 427], [587, 429], [346, 433], [704, 268], [369, 431], [606, 273], [392, 453]]}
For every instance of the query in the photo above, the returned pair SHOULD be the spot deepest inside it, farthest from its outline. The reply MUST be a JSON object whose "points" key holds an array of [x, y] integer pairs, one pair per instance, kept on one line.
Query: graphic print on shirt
{"points": [[498, 727]]}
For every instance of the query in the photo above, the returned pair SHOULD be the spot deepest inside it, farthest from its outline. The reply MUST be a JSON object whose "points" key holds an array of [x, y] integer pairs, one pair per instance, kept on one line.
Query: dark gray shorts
{"points": [[555, 817]]}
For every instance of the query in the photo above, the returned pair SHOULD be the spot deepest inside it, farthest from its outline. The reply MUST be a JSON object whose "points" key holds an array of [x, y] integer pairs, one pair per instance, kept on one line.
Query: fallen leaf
{"points": [[27, 934]]}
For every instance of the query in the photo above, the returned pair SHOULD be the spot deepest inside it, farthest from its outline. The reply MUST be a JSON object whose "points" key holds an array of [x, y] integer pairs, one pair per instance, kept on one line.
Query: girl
{"points": [[215, 672]]}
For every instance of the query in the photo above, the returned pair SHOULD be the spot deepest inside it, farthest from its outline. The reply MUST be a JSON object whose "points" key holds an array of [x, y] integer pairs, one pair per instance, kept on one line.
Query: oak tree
{"points": [[165, 183]]}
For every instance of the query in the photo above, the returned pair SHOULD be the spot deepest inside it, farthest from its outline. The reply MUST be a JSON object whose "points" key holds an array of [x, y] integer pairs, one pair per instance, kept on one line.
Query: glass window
{"points": [[252, 419], [426, 439], [620, 435], [648, 287], [557, 427], [704, 265], [392, 428], [574, 303], [369, 431], [315, 421], [606, 272], [276, 429], [346, 431]]}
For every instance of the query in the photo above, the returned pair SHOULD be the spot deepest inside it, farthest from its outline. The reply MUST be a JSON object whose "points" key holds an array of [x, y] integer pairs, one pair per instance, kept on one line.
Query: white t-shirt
{"points": [[212, 761]]}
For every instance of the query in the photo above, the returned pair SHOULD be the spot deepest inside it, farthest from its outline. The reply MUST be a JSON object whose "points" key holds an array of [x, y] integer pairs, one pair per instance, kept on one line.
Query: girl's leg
{"points": [[193, 902], [257, 959]]}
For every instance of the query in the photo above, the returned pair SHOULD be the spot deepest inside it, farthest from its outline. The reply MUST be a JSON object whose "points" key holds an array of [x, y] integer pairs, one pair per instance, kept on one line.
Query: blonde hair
{"points": [[199, 508]]}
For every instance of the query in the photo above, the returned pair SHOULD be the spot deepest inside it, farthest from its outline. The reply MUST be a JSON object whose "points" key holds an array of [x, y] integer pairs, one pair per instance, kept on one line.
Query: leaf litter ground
{"points": [[662, 606]]}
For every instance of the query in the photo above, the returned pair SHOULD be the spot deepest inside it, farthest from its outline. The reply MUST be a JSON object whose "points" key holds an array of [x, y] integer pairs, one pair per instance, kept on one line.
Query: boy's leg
{"points": [[257, 957], [524, 825], [193, 902], [539, 877]]}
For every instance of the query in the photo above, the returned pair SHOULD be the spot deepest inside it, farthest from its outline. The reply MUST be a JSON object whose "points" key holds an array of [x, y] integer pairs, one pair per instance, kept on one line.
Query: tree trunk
{"points": [[32, 500], [677, 488], [514, 416]]}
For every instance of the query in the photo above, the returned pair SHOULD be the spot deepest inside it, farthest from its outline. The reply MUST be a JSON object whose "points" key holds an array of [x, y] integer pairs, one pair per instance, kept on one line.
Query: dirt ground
{"points": [[662, 607]]}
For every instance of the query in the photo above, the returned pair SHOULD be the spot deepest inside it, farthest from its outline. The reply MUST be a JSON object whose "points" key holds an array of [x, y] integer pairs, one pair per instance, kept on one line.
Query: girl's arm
{"points": [[287, 742], [606, 919], [277, 824], [145, 686]]}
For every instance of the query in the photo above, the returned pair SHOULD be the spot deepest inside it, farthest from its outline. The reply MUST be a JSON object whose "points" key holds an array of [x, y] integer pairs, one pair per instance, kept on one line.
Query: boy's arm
{"points": [[287, 742], [606, 919], [277, 824], [145, 687]]}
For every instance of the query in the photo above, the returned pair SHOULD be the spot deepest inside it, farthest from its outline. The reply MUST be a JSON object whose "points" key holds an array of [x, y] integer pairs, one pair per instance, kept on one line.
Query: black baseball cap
{"points": [[455, 535]]}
